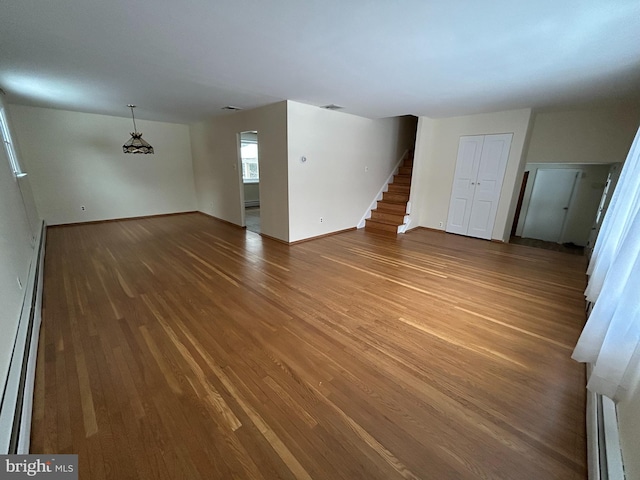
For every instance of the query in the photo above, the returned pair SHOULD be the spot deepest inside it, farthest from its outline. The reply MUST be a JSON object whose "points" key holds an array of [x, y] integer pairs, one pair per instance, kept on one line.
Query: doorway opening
{"points": [[516, 217], [250, 179], [558, 205], [552, 195]]}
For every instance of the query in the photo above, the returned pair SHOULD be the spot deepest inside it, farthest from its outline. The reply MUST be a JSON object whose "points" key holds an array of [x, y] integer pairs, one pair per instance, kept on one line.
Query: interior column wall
{"points": [[348, 160], [216, 164], [435, 163]]}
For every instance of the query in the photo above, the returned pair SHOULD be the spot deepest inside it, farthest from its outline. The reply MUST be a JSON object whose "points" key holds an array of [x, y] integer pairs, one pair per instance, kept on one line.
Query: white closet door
{"points": [[469, 152], [480, 167], [493, 163]]}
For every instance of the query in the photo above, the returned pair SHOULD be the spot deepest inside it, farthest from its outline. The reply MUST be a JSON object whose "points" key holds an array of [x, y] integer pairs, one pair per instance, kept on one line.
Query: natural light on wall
{"points": [[611, 337]]}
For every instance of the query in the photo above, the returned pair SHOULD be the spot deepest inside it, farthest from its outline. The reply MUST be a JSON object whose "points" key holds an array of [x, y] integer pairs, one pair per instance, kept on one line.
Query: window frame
{"points": [[12, 155], [245, 165]]}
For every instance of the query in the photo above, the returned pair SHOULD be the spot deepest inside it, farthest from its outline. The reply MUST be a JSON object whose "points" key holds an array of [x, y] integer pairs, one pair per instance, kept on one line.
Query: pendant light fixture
{"points": [[136, 144]]}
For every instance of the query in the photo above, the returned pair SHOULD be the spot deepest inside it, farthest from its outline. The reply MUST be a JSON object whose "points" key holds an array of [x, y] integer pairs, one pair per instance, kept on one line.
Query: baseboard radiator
{"points": [[603, 438], [17, 399]]}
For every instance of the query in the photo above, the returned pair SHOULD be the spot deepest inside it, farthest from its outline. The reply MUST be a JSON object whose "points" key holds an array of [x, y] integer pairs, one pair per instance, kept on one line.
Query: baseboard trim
{"points": [[317, 237], [279, 240], [109, 220], [220, 220], [436, 230]]}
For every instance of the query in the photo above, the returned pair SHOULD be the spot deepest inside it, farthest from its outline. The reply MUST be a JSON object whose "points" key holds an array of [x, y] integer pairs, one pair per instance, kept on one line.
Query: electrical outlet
{"points": [[321, 220], [82, 207], [441, 224]]}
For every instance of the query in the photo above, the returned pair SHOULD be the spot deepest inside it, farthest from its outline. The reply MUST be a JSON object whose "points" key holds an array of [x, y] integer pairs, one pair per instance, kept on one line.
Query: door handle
{"points": [[566, 208]]}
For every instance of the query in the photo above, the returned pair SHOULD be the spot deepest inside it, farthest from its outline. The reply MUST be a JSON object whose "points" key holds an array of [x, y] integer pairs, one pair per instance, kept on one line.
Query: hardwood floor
{"points": [[181, 347]]}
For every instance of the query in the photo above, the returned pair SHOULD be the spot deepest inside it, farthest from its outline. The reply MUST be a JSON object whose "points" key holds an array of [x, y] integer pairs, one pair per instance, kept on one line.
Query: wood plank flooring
{"points": [[181, 347]]}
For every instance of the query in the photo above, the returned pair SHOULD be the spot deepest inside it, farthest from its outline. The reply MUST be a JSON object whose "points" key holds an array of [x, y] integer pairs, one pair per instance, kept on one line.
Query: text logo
{"points": [[51, 467]]}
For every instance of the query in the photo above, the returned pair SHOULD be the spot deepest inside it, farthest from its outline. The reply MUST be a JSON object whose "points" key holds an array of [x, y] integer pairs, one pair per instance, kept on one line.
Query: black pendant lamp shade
{"points": [[136, 144]]}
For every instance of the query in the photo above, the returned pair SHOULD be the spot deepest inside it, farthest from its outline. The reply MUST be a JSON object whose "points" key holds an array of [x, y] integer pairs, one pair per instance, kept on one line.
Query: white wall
{"points": [[16, 254], [587, 135], [76, 159], [333, 183], [216, 164], [585, 200], [435, 162], [252, 194]]}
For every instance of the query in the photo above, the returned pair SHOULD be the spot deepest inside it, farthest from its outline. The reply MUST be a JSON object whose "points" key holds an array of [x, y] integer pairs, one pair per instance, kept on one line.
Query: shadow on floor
{"points": [[558, 247]]}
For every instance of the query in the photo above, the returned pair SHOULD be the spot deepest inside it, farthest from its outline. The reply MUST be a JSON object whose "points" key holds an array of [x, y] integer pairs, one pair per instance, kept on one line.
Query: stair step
{"points": [[377, 225], [393, 217], [399, 188], [397, 208], [390, 212], [402, 179], [396, 197]]}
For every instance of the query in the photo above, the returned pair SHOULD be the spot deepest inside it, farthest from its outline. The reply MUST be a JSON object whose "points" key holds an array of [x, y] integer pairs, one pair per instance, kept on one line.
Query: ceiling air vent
{"points": [[231, 107], [332, 106]]}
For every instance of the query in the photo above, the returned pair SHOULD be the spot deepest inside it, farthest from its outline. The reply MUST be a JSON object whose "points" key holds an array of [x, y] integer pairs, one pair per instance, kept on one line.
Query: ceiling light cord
{"points": [[135, 129]]}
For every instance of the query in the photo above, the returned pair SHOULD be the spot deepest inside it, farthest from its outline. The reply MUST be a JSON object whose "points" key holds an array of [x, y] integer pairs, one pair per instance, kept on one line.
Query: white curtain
{"points": [[611, 338]]}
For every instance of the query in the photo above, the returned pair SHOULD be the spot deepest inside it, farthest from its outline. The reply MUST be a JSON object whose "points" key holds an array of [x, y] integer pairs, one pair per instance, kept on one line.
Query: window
{"points": [[249, 155], [8, 145], [611, 337]]}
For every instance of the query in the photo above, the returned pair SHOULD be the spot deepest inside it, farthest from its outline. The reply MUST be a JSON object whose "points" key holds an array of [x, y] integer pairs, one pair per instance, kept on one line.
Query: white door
{"points": [[469, 152], [549, 204], [476, 190], [493, 163]]}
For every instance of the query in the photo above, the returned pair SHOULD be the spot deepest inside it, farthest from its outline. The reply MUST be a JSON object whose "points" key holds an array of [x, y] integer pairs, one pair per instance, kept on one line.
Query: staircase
{"points": [[388, 216]]}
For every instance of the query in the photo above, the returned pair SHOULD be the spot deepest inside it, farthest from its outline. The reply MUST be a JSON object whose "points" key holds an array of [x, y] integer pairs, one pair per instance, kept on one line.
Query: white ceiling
{"points": [[183, 60]]}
